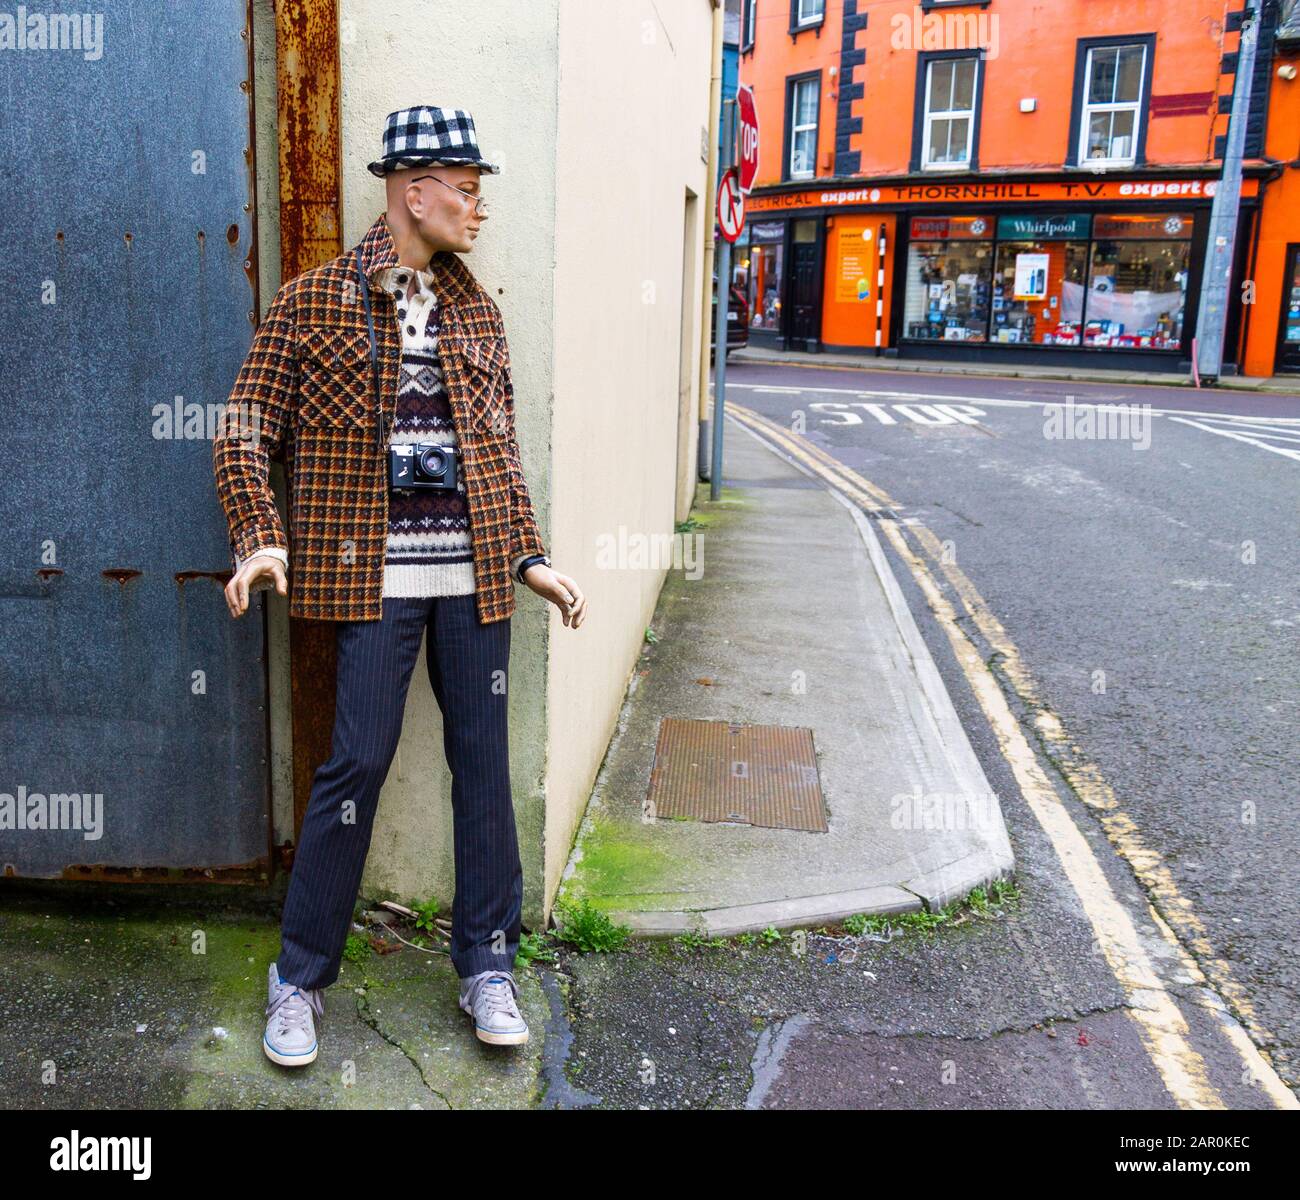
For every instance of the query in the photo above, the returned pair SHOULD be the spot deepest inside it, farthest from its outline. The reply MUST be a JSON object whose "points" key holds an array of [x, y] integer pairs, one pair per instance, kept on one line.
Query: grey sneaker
{"points": [[489, 998], [290, 1038]]}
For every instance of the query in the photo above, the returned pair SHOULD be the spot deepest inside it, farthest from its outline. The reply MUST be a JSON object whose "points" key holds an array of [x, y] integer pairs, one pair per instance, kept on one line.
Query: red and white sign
{"points": [[747, 115], [731, 206]]}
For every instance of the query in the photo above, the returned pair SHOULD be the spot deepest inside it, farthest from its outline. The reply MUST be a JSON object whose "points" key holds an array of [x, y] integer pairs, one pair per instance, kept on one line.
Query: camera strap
{"points": [[374, 357]]}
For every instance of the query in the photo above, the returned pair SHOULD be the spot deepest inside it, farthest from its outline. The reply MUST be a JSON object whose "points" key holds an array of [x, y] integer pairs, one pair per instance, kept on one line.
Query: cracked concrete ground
{"points": [[121, 1006]]}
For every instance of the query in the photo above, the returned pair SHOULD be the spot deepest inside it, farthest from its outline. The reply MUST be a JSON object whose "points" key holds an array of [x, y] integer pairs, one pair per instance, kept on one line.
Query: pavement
{"points": [[1287, 385], [794, 585]]}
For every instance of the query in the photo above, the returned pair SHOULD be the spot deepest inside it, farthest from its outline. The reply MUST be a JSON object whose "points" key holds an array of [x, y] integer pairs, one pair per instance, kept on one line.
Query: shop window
{"points": [[766, 273], [1137, 281], [1111, 103], [949, 279], [1109, 281], [949, 118], [1037, 258], [801, 121]]}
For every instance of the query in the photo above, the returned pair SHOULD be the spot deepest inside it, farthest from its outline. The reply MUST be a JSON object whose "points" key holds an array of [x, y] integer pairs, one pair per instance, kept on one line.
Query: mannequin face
{"points": [[440, 218]]}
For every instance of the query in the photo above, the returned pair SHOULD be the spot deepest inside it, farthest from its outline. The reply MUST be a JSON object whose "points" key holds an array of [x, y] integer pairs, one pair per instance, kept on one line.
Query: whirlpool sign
{"points": [[1073, 225]]}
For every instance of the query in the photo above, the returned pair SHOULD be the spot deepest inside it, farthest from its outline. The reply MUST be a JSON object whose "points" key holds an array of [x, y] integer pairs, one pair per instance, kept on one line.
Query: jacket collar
{"points": [[453, 282]]}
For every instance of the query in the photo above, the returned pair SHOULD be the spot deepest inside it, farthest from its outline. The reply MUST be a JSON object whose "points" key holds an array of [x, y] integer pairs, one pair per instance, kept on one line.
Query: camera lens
{"points": [[433, 460]]}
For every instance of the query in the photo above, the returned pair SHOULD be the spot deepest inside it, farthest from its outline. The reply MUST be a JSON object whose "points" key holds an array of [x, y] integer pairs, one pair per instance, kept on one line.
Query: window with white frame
{"points": [[948, 132], [1112, 103], [803, 129], [750, 16], [809, 12]]}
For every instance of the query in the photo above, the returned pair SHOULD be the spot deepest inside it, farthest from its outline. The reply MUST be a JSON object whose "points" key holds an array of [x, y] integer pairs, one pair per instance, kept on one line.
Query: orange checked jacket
{"points": [[305, 394]]}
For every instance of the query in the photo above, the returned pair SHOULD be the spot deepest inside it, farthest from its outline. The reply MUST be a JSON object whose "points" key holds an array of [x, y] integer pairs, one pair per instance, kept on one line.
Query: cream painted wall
{"points": [[502, 66], [634, 100]]}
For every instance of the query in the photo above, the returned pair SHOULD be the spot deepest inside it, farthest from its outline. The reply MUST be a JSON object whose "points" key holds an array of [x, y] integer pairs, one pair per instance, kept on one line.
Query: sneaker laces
{"points": [[293, 1007], [498, 996]]}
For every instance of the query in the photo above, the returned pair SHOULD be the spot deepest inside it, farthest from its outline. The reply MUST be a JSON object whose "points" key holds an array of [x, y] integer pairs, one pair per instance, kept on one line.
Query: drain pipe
{"points": [[715, 110]]}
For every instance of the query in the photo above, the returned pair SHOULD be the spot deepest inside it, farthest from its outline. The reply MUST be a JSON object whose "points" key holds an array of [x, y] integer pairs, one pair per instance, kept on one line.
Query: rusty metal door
{"points": [[133, 736]]}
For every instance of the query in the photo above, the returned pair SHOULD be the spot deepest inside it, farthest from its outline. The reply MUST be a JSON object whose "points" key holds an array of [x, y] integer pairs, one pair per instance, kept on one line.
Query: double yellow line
{"points": [[1164, 1032]]}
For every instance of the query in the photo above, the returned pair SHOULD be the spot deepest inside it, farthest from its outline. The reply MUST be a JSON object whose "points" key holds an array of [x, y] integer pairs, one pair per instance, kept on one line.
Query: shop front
{"points": [[1030, 272], [1115, 281], [778, 267]]}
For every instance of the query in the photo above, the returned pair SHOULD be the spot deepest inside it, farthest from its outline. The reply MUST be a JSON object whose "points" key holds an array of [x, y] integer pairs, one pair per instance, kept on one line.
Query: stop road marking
{"points": [[918, 414]]}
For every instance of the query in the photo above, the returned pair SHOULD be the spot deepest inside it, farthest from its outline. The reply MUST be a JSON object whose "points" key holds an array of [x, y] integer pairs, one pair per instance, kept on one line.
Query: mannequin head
{"points": [[425, 216]]}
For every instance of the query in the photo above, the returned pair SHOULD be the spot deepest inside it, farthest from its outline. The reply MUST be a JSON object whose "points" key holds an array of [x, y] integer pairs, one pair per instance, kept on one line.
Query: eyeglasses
{"points": [[480, 202]]}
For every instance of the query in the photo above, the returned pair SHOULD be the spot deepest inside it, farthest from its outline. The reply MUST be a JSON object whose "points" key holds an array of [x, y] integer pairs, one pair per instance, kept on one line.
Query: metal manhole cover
{"points": [[751, 774]]}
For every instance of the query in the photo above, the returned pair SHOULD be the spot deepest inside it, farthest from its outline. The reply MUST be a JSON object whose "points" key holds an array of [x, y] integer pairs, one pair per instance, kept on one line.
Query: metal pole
{"points": [[703, 405], [723, 308], [1212, 318]]}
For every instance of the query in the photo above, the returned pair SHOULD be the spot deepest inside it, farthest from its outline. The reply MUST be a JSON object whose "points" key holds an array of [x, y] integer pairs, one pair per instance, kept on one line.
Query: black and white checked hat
{"points": [[420, 136]]}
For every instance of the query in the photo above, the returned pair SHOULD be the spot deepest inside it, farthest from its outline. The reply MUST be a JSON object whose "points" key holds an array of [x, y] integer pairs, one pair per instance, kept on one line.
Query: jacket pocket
{"points": [[486, 360], [335, 386]]}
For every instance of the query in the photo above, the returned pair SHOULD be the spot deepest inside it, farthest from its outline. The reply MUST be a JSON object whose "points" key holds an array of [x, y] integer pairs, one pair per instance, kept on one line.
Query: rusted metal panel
{"points": [[307, 77], [257, 872], [746, 774], [132, 709]]}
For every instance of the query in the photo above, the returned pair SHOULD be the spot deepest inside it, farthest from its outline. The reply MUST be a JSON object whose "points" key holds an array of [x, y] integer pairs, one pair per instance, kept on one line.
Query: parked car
{"points": [[737, 320]]}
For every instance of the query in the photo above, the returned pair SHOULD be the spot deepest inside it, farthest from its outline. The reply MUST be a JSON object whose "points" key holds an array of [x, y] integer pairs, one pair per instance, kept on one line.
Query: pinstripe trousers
{"points": [[467, 663]]}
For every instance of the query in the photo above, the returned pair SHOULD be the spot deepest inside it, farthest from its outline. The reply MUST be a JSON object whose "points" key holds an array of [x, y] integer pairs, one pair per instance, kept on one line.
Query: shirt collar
{"points": [[397, 278]]}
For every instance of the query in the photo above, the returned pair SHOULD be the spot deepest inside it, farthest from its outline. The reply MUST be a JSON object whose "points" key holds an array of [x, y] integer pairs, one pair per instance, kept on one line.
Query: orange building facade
{"points": [[1016, 180]]}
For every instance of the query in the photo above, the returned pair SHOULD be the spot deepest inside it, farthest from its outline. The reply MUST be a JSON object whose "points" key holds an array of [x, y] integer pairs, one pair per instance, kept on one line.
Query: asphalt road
{"points": [[1148, 582]]}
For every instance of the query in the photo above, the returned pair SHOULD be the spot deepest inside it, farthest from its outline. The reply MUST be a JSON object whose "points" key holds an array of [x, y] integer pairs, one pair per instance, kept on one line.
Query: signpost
{"points": [[731, 206], [747, 112], [731, 220], [1211, 321]]}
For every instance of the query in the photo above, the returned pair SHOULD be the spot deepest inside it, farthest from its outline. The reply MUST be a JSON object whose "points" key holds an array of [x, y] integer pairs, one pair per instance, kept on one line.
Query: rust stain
{"points": [[251, 872], [307, 77], [46, 573], [120, 575], [309, 120], [221, 577]]}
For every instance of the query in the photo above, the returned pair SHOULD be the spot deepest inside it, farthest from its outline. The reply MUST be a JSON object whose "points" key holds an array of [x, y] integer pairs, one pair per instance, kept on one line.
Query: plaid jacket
{"points": [[305, 394]]}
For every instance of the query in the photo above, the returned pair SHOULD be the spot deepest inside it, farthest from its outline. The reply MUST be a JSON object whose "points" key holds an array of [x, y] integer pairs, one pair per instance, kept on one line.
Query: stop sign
{"points": [[747, 116]]}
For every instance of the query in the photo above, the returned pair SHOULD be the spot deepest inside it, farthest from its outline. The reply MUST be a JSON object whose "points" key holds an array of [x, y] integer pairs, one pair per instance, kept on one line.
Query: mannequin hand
{"points": [[560, 590], [260, 566]]}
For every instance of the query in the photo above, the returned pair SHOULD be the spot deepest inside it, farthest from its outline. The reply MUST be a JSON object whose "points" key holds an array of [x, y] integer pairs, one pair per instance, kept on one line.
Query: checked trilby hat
{"points": [[424, 135]]}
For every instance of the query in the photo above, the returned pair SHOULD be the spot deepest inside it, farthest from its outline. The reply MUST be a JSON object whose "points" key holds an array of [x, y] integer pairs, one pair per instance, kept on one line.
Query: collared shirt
{"points": [[413, 312]]}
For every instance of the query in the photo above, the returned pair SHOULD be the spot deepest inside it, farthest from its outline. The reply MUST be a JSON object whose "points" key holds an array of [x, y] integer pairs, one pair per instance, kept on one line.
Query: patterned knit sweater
{"points": [[430, 547], [429, 551]]}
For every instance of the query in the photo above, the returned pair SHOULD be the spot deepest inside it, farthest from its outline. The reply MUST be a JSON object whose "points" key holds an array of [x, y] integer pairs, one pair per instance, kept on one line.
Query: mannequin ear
{"points": [[413, 198]]}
